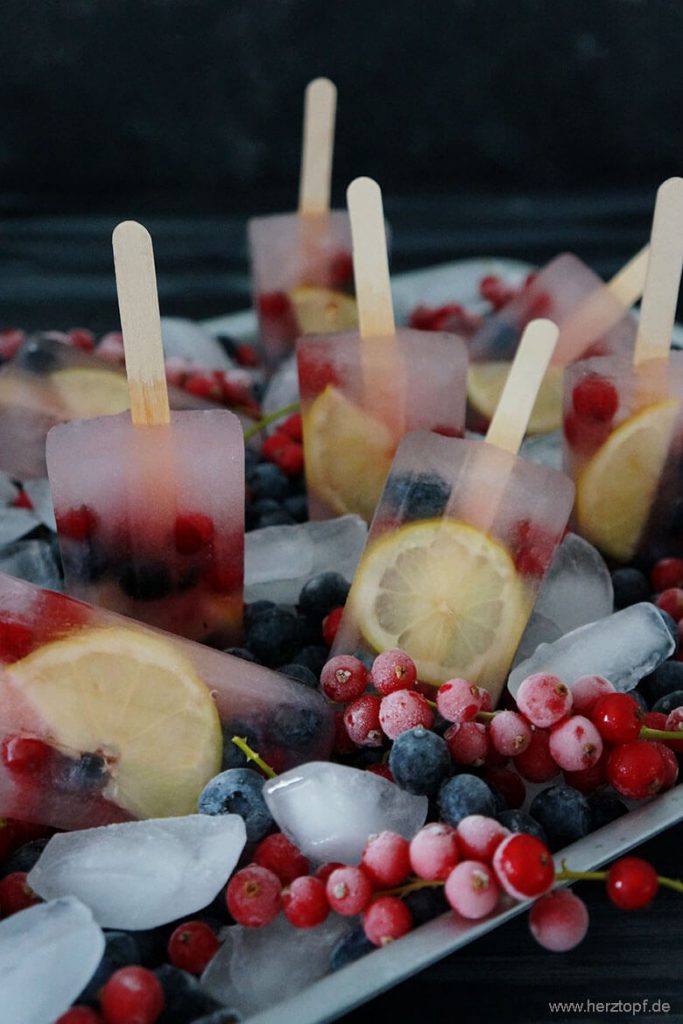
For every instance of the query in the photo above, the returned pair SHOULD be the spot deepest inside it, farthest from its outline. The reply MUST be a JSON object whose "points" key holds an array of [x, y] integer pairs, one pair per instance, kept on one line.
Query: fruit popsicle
{"points": [[623, 430], [150, 504], [47, 383], [460, 543], [301, 267], [593, 317], [362, 391], [104, 719]]}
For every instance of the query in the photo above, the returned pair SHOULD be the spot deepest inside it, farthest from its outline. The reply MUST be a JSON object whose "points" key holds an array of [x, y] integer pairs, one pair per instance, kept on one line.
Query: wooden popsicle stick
{"points": [[510, 420], [370, 261], [136, 284], [662, 283], [320, 105], [628, 284]]}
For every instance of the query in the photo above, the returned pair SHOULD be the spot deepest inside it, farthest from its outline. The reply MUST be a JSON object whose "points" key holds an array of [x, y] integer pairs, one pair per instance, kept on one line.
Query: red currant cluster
{"points": [[284, 446], [587, 421]]}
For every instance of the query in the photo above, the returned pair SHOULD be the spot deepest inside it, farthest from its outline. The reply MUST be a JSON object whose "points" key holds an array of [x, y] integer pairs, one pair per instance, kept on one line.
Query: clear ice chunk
{"points": [[258, 967], [41, 498], [32, 560], [48, 955], [278, 560], [185, 339], [15, 523], [282, 389], [329, 810], [8, 490], [544, 449], [577, 590], [622, 647], [141, 874]]}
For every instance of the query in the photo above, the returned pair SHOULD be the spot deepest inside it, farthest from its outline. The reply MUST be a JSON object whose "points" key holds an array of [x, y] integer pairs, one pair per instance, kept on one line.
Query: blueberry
{"points": [[255, 511], [24, 858], [153, 945], [251, 461], [278, 517], [238, 791], [38, 355], [87, 562], [267, 481], [233, 757], [240, 652], [295, 727], [668, 702], [120, 950], [426, 904], [351, 947], [664, 680], [419, 761], [297, 506], [639, 699], [465, 794], [630, 587], [148, 582], [417, 495], [301, 673], [313, 656], [274, 636], [228, 344], [321, 594], [563, 813], [253, 610], [605, 807], [88, 773], [184, 1000], [518, 821], [501, 338]]}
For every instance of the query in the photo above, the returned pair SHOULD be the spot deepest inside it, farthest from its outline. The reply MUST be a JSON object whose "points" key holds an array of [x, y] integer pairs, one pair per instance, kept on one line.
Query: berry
{"points": [[192, 945], [304, 902], [341, 269], [434, 851], [79, 1015], [16, 641], [559, 921], [544, 699], [185, 1001], [595, 398], [419, 761], [290, 459], [674, 721], [471, 889], [267, 481], [585, 692], [459, 701], [417, 495], [24, 755], [510, 733], [667, 573], [636, 770], [253, 896], [468, 743], [274, 636], [383, 770], [630, 587], [273, 305], [321, 594], [668, 702], [670, 765], [463, 795], [362, 722], [296, 728], [508, 784], [520, 822], [238, 791], [536, 763], [192, 532], [344, 678], [403, 710], [146, 582], [631, 883], [562, 813], [479, 837], [302, 675], [387, 919], [133, 995], [617, 717], [605, 807], [386, 859], [426, 904], [671, 601], [331, 625], [349, 890], [524, 867], [323, 871], [16, 894], [586, 780], [576, 744], [279, 855], [351, 947], [77, 523], [584, 435], [392, 671]]}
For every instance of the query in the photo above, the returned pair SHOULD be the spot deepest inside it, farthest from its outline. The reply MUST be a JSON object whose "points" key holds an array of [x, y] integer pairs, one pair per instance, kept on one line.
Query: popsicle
{"points": [[622, 416], [461, 540], [104, 719], [150, 504], [593, 318], [361, 391], [301, 267], [47, 383]]}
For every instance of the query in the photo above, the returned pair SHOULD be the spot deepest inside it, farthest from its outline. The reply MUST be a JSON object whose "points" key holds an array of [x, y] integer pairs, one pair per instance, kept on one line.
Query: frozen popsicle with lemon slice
{"points": [[103, 719], [302, 273], [461, 540], [361, 391]]}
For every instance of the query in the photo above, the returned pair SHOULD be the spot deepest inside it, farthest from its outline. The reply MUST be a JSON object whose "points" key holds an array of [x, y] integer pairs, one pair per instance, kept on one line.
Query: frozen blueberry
{"points": [[253, 610], [668, 702], [120, 950], [238, 791], [37, 356], [639, 698], [148, 582], [426, 904], [297, 506], [233, 757], [301, 673], [184, 1000], [351, 947], [419, 761], [313, 656], [418, 495], [664, 680], [240, 652], [295, 727], [630, 587], [251, 461], [274, 636], [321, 594], [465, 794], [24, 858], [563, 813], [267, 481], [278, 517], [605, 807], [88, 773], [519, 821]]}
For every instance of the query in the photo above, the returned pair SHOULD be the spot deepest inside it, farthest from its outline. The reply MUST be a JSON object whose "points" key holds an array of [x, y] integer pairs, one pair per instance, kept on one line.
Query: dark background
{"points": [[496, 127]]}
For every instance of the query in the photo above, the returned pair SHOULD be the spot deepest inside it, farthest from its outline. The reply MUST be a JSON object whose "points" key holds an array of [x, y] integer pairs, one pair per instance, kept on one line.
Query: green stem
{"points": [[271, 418], [646, 733], [566, 875], [485, 716], [251, 755], [412, 886]]}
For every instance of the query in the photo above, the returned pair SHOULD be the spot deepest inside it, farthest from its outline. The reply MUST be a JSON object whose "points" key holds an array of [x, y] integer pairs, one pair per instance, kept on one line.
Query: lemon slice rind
{"points": [[485, 382]]}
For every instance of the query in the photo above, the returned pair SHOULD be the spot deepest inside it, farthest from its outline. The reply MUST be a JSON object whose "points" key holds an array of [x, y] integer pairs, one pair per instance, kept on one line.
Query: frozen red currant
{"points": [[559, 921], [510, 733], [362, 721], [631, 883], [524, 866], [393, 670], [278, 854], [471, 889], [349, 890], [575, 744], [544, 699], [468, 743], [192, 945], [304, 902], [596, 398], [403, 710], [386, 920], [253, 896], [434, 851], [459, 701], [386, 859], [344, 678]]}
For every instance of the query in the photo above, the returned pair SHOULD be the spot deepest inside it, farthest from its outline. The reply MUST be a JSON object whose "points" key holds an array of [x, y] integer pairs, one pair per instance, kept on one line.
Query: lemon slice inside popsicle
{"points": [[485, 382], [615, 490], [323, 311], [132, 697], [447, 594], [86, 392]]}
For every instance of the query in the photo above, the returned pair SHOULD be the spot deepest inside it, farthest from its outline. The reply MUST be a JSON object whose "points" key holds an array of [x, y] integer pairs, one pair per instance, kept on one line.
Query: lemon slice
{"points": [[348, 454], [615, 490], [86, 392], [130, 696], [447, 594], [485, 382], [322, 311]]}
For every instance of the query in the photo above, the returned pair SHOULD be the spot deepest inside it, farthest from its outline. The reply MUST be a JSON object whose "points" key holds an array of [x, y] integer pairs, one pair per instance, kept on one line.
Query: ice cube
{"points": [[258, 967], [283, 388], [185, 339], [278, 560], [32, 560], [8, 490], [577, 590], [545, 449], [329, 810], [41, 498], [48, 954], [16, 523], [623, 647], [141, 874]]}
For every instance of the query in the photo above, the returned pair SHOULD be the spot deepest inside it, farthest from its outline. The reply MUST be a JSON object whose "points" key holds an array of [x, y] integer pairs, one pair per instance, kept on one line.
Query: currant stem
{"points": [[412, 886], [646, 733], [485, 716], [251, 755], [566, 875], [271, 418]]}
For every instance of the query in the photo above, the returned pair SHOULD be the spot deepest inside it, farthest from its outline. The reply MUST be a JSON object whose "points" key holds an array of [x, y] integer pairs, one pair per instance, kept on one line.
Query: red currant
{"points": [[344, 678], [471, 889], [536, 763], [392, 671], [595, 398], [331, 625], [132, 995], [403, 710], [386, 920], [362, 721], [349, 890], [192, 945], [575, 744], [77, 523], [459, 701], [386, 859], [278, 854], [192, 532], [585, 692], [671, 601], [24, 755], [510, 733], [434, 851], [304, 902], [524, 866], [559, 921], [631, 883], [667, 573], [253, 896], [479, 837], [468, 743], [544, 699], [636, 770], [16, 894]]}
